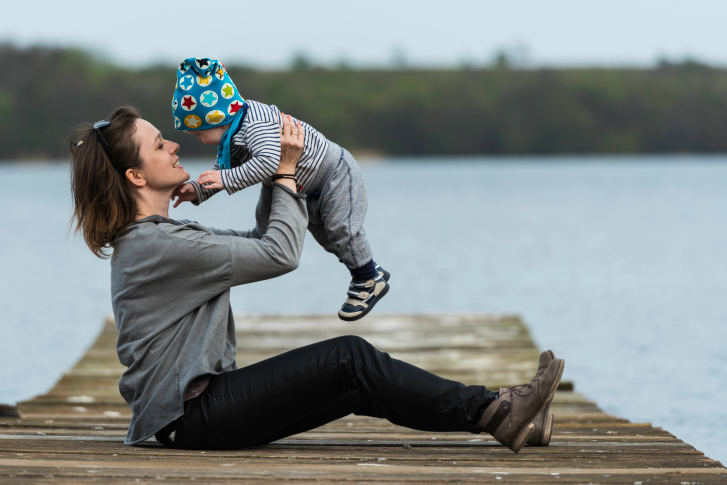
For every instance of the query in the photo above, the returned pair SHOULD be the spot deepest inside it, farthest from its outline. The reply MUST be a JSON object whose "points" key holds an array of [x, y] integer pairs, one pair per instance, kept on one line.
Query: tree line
{"points": [[45, 92]]}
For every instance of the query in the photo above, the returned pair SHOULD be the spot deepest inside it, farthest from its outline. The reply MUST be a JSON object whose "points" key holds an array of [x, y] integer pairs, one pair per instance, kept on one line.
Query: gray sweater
{"points": [[170, 291]]}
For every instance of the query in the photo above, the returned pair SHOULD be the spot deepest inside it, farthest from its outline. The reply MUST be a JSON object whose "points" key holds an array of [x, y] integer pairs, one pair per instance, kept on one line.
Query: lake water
{"points": [[617, 264]]}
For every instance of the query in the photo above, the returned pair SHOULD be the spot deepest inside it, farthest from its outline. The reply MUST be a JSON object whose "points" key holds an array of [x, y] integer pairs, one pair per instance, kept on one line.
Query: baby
{"points": [[247, 134]]}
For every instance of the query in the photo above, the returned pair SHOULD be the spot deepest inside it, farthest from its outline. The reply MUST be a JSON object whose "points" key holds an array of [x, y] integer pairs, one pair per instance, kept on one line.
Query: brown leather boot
{"points": [[543, 422], [510, 418]]}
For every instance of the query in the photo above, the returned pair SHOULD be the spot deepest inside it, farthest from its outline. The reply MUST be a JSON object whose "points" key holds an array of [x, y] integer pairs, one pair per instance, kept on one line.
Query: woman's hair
{"points": [[102, 199]]}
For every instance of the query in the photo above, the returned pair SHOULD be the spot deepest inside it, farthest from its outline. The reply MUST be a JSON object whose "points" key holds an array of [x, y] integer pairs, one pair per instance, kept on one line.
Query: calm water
{"points": [[619, 265]]}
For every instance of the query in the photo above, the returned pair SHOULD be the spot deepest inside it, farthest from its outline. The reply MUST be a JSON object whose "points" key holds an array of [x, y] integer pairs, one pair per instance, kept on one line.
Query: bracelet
{"points": [[279, 176]]}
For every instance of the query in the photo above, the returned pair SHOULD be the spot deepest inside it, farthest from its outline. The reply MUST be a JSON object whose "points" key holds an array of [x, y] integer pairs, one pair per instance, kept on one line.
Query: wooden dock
{"points": [[74, 434]]}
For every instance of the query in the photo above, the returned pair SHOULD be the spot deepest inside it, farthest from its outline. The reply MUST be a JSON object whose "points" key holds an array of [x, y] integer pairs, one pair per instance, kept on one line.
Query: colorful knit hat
{"points": [[204, 96]]}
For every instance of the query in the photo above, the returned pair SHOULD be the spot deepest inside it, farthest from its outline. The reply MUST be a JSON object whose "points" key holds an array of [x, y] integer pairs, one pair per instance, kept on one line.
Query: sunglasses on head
{"points": [[97, 128]]}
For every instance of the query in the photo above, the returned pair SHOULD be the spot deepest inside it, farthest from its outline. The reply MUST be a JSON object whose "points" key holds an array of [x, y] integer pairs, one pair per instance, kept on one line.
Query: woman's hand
{"points": [[184, 193], [292, 141]]}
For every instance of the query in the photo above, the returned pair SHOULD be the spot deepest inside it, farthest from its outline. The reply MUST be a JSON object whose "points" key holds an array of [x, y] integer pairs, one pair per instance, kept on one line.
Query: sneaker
{"points": [[543, 422], [510, 418], [384, 274], [363, 296]]}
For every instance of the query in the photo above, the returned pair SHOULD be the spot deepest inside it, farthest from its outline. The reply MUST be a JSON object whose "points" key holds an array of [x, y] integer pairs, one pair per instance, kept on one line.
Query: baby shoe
{"points": [[363, 295]]}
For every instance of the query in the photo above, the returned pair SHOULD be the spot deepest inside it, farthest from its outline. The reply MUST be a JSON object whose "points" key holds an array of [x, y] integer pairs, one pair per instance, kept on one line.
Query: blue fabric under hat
{"points": [[223, 149], [205, 96]]}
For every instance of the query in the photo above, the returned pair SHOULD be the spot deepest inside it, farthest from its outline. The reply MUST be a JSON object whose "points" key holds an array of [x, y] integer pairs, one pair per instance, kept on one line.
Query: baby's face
{"points": [[212, 136]]}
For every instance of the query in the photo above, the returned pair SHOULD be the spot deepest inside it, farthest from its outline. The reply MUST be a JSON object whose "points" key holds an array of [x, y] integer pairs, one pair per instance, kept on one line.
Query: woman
{"points": [[170, 287]]}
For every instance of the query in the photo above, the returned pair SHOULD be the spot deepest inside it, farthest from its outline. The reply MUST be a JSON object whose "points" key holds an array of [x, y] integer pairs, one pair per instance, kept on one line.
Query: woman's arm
{"points": [[262, 216], [281, 246], [278, 251], [292, 142], [291, 148], [193, 265]]}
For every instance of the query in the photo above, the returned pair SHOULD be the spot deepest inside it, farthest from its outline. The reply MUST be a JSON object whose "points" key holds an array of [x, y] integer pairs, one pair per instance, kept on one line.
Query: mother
{"points": [[170, 288]]}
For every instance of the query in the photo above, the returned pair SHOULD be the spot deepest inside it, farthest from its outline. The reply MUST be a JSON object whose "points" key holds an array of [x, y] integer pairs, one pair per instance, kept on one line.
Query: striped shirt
{"points": [[255, 152]]}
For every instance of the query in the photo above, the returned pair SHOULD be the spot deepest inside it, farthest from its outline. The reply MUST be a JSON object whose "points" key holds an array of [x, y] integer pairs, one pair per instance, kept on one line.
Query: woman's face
{"points": [[160, 168]]}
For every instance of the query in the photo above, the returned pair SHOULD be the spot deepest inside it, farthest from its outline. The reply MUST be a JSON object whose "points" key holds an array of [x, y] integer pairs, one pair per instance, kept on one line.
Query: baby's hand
{"points": [[211, 179], [184, 193]]}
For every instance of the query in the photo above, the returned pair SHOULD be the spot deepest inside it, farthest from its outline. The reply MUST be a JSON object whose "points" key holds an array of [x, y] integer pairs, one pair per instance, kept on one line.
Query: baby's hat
{"points": [[204, 96]]}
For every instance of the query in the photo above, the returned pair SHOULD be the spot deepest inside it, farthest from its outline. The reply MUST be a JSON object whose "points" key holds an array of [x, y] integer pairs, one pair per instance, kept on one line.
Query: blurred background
{"points": [[564, 161]]}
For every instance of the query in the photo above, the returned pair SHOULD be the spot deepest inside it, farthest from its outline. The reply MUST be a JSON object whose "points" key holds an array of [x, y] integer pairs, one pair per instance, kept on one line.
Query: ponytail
{"points": [[103, 204]]}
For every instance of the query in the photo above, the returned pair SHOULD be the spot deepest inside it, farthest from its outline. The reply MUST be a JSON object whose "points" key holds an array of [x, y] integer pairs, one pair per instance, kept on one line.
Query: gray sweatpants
{"points": [[337, 207]]}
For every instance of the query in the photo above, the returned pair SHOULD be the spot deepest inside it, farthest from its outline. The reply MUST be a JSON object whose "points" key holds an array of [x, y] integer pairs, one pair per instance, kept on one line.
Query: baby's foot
{"points": [[363, 295], [384, 274]]}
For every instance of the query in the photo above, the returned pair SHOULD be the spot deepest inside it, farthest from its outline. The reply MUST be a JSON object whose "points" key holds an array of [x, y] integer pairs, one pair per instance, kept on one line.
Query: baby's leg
{"points": [[337, 224], [342, 209], [319, 234]]}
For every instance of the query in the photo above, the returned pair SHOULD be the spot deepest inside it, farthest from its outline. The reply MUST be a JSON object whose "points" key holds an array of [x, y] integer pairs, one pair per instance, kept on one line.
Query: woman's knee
{"points": [[354, 346]]}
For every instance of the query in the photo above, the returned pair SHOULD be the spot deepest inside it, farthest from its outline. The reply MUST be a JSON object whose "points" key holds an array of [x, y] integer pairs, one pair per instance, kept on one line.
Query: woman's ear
{"points": [[135, 177]]}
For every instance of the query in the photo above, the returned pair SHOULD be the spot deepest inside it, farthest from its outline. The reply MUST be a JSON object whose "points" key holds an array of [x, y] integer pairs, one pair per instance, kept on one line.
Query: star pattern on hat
{"points": [[227, 91], [186, 82], [204, 87], [215, 116], [192, 121], [234, 107], [208, 98], [188, 102]]}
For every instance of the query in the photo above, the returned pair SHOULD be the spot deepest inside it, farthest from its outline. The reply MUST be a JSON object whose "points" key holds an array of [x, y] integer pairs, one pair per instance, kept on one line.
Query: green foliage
{"points": [[674, 108]]}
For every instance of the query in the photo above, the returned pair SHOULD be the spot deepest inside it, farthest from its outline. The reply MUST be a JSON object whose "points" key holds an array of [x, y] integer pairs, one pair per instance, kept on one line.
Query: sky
{"points": [[378, 33]]}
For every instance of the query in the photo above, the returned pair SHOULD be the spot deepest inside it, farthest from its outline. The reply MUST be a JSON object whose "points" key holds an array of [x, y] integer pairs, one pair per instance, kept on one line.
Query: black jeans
{"points": [[314, 385]]}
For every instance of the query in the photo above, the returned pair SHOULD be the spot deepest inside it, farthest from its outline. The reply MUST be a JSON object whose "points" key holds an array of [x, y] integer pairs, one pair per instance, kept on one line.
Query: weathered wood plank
{"points": [[74, 433]]}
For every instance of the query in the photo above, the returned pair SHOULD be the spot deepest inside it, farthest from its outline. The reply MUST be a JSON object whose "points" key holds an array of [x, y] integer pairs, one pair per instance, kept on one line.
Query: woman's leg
{"points": [[313, 385]]}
